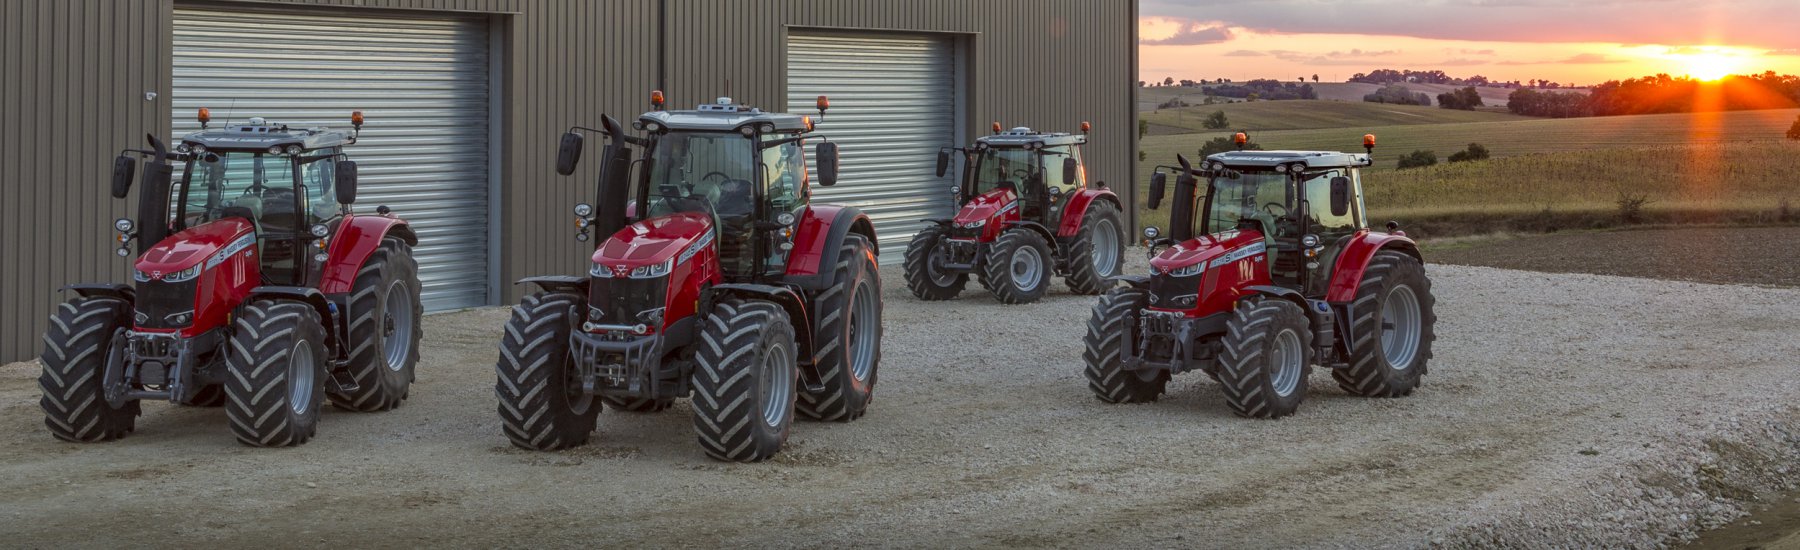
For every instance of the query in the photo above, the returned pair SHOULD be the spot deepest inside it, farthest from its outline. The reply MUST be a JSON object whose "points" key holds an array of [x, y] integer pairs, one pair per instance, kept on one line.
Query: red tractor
{"points": [[1280, 274], [258, 289], [714, 277], [1027, 212]]}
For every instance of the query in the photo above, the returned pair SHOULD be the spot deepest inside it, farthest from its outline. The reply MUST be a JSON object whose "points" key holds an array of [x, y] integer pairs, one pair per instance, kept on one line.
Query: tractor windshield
{"points": [[1261, 196], [708, 172], [258, 186], [997, 168]]}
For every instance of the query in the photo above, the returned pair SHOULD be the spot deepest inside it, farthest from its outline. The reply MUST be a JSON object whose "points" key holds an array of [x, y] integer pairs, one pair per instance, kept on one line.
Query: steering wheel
{"points": [[1020, 173], [725, 176], [1271, 207]]}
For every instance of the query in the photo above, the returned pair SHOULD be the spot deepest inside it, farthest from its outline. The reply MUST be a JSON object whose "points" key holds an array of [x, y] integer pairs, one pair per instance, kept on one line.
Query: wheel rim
{"points": [[934, 267], [1106, 248], [1027, 267], [303, 370], [1400, 327], [1285, 360], [777, 389], [397, 320], [863, 322]]}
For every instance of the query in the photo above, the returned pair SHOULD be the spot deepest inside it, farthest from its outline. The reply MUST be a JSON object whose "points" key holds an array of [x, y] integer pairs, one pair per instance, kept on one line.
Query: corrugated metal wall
{"points": [[74, 74]]}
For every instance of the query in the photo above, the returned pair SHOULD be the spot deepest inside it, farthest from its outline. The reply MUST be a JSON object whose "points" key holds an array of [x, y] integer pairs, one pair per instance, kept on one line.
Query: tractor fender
{"points": [[936, 221], [567, 284], [1076, 209], [1347, 275], [1140, 282], [309, 296], [1049, 238], [116, 291], [1288, 294], [789, 301], [818, 236], [356, 239]]}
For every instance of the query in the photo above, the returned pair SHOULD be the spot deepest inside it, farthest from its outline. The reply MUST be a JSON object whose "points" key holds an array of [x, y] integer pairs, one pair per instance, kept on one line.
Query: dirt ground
{"points": [[1756, 255], [1567, 410]]}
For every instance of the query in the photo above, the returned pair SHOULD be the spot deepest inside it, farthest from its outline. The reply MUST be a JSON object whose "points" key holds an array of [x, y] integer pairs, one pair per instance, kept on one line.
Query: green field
{"points": [[1261, 116], [1736, 161]]}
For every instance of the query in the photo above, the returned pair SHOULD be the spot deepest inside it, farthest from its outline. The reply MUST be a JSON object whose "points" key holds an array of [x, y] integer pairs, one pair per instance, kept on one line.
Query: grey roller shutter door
{"points": [[423, 86], [893, 105]]}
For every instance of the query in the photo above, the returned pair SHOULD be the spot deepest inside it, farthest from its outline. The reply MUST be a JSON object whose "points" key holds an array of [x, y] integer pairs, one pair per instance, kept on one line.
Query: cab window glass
{"points": [[1318, 199]]}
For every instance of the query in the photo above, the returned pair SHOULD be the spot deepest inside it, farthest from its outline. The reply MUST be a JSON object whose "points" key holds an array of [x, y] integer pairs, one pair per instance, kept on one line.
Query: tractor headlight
{"points": [[124, 225], [1309, 241], [293, 149], [748, 130], [321, 257], [600, 272], [137, 275], [183, 275], [276, 150], [652, 127], [584, 209], [1188, 270], [1283, 168], [199, 149], [1152, 232], [766, 128], [180, 319], [183, 148], [652, 317], [653, 270], [319, 230], [1184, 302], [785, 218]]}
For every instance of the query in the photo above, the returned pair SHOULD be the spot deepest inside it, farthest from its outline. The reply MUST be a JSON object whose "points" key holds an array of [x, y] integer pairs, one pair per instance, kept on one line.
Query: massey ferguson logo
{"points": [[621, 271], [156, 275]]}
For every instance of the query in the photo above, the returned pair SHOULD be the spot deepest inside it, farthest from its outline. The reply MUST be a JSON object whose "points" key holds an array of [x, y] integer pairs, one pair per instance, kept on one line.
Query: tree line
{"points": [[1662, 94]]}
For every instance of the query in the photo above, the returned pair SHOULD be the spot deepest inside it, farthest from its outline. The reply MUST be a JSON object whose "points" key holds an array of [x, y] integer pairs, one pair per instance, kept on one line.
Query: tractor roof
{"points": [[1270, 159], [260, 135], [1023, 137], [724, 116]]}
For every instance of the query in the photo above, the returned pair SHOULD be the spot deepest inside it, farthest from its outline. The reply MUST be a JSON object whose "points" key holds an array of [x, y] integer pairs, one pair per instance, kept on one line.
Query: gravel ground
{"points": [[1753, 255], [1567, 410]]}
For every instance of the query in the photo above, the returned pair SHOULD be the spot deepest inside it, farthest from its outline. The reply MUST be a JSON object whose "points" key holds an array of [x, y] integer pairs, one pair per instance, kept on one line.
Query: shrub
{"points": [[1216, 121], [1466, 99], [1417, 159], [1223, 144], [1398, 95], [1794, 131], [1173, 103], [1476, 151], [1631, 207]]}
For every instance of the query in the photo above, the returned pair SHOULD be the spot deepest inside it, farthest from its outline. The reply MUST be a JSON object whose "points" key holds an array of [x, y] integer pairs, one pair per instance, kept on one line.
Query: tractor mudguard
{"points": [[558, 283], [104, 290], [1141, 282], [796, 310], [1347, 275], [1288, 294], [356, 239], [311, 296], [937, 221], [1076, 209], [818, 236], [1049, 238]]}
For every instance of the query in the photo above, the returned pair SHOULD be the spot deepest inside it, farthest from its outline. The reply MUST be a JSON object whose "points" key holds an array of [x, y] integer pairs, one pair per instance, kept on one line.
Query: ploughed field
{"points": [[1565, 409]]}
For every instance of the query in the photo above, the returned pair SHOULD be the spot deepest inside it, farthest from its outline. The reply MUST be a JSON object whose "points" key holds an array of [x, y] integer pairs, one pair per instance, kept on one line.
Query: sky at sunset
{"points": [[1570, 41]]}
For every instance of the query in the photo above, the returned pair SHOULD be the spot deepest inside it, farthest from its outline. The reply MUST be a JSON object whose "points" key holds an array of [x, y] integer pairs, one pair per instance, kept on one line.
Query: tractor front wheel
{"points": [[1391, 328], [847, 332], [1097, 253], [542, 407], [744, 381], [1111, 337], [384, 329], [1265, 357], [276, 374], [1018, 266], [76, 350], [925, 273]]}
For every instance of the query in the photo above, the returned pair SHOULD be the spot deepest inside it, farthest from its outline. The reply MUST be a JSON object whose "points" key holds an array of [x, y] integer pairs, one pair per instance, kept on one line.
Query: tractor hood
{"points": [[986, 206], [654, 241], [210, 242], [1216, 250]]}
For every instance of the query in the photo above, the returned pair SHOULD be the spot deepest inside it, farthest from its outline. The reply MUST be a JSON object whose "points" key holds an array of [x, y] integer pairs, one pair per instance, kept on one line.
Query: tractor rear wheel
{"points": [[1111, 336], [384, 329], [847, 337], [1098, 252], [1265, 357], [1018, 266], [1391, 330], [638, 404], [925, 274], [76, 348], [542, 407], [744, 380], [276, 379]]}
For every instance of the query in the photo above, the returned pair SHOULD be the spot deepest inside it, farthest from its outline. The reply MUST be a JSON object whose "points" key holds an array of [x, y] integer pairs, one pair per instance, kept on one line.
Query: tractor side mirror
{"points": [[345, 181], [1340, 196], [943, 163], [826, 156], [568, 153], [1159, 184], [1071, 170], [124, 167]]}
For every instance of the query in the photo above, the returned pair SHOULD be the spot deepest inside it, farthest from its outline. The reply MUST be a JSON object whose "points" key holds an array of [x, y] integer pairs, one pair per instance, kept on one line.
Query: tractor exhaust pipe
{"points": [[615, 184], [1181, 209], [153, 197]]}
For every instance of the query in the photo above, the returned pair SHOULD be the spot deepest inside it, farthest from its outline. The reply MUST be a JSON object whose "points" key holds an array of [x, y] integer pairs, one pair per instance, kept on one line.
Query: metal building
{"points": [[465, 100]]}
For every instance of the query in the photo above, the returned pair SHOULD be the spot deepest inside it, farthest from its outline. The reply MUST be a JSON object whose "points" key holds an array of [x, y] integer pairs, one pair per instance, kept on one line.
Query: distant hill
{"points": [[1311, 114], [1150, 97]]}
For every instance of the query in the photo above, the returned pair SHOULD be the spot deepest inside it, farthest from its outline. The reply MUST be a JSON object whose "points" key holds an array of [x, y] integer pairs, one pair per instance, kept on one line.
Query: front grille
{"points": [[156, 300], [618, 301], [1169, 292]]}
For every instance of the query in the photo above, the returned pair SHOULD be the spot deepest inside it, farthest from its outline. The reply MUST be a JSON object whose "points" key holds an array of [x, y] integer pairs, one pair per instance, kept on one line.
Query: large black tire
{"points": [[75, 351], [276, 374], [744, 370], [638, 404], [210, 395], [846, 337], [384, 329], [1389, 276], [1098, 252], [542, 407], [1018, 284], [1262, 335], [1111, 336], [924, 276]]}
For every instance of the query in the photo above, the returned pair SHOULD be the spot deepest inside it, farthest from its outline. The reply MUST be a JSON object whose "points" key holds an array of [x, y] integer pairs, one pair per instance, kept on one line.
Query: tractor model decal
{"points": [[1239, 254], [692, 249], [236, 247]]}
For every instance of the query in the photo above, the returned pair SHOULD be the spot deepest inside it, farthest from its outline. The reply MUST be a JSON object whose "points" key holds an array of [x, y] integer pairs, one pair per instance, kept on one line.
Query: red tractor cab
{"points": [[1026, 212], [1273, 270], [715, 276], [255, 286]]}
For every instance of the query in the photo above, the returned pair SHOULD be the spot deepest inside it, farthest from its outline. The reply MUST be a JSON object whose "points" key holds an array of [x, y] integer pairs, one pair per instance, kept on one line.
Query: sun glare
{"points": [[1709, 66]]}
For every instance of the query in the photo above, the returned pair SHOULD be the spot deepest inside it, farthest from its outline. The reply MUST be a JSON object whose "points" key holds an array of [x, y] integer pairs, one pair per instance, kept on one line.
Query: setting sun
{"points": [[1709, 66]]}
